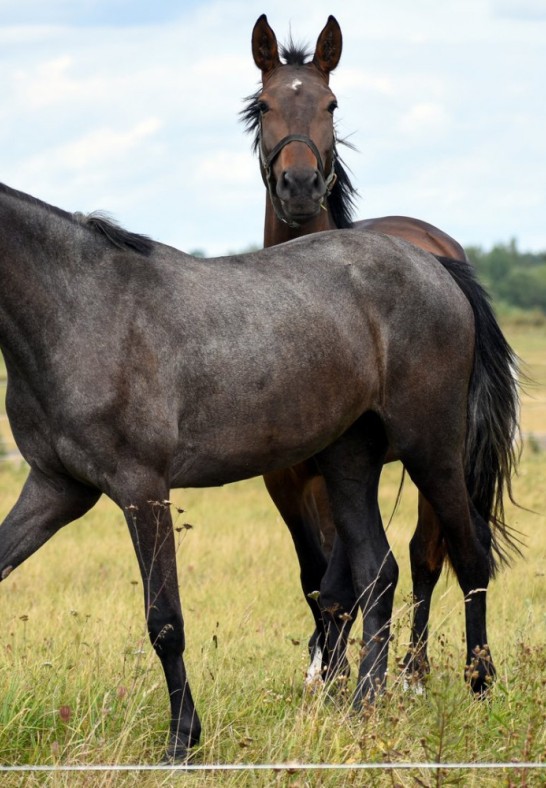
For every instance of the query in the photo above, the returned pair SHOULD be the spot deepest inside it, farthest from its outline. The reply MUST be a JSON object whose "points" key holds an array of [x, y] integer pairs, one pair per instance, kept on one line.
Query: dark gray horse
{"points": [[134, 368]]}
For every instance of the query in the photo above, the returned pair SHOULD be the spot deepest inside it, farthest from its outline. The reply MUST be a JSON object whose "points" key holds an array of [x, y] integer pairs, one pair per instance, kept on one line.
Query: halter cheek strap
{"points": [[266, 169]]}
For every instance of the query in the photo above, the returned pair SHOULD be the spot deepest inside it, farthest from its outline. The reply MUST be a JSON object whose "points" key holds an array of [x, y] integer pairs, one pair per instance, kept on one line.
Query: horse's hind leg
{"points": [[301, 498], [45, 504], [143, 496], [351, 467], [468, 544], [427, 553]]}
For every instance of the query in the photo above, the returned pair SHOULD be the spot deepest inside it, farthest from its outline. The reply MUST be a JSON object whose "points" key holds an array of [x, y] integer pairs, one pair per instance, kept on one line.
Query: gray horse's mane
{"points": [[101, 223], [96, 222]]}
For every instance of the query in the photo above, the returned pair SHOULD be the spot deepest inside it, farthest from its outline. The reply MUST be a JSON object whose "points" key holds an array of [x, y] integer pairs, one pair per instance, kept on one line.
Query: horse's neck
{"points": [[277, 232], [33, 277]]}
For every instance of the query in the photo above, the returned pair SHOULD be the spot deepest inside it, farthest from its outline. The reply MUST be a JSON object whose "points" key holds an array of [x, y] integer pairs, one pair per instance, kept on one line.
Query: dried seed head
{"points": [[65, 713]]}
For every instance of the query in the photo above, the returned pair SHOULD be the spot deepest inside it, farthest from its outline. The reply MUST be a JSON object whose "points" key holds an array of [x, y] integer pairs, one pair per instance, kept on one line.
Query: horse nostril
{"points": [[287, 185]]}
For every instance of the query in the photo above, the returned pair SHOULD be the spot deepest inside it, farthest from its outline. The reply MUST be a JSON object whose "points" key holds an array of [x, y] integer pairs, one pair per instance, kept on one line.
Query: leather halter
{"points": [[268, 178]]}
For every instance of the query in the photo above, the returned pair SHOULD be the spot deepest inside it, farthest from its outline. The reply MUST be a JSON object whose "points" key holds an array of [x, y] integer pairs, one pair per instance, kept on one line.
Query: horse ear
{"points": [[329, 45], [264, 46]]}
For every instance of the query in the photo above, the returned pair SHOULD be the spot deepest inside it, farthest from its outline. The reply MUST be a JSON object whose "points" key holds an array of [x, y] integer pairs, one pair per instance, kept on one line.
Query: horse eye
{"points": [[332, 106], [263, 107]]}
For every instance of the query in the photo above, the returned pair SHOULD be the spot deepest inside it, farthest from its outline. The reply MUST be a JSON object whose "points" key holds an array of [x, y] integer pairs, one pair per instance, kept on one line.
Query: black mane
{"points": [[117, 235], [95, 222], [295, 54]]}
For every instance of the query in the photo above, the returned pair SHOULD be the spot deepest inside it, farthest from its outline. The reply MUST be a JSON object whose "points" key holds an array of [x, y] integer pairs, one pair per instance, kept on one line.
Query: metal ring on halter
{"points": [[267, 175]]}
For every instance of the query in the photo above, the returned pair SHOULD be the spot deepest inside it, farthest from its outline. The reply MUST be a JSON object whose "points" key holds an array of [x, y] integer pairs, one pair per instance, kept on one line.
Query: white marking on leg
{"points": [[416, 687], [314, 678]]}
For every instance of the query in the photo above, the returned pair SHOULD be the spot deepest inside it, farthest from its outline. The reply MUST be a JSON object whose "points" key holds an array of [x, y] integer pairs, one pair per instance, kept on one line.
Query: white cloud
{"points": [[100, 148], [51, 84], [520, 9], [424, 118], [223, 167], [354, 79]]}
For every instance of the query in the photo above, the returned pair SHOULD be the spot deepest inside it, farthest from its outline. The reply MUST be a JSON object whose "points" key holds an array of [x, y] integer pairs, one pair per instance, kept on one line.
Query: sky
{"points": [[131, 107]]}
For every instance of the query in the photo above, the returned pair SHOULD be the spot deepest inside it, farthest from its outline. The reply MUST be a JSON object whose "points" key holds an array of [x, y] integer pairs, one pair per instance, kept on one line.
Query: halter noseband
{"points": [[267, 170]]}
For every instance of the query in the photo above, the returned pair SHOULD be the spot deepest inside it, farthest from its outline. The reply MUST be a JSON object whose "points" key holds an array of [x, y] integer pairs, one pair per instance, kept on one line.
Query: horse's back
{"points": [[416, 231]]}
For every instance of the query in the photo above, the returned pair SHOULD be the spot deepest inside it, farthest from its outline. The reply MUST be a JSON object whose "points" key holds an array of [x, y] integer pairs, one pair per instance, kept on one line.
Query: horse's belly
{"points": [[254, 432]]}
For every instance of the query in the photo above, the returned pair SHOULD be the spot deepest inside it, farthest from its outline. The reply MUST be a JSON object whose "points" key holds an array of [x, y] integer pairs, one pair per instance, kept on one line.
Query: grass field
{"points": [[79, 683]]}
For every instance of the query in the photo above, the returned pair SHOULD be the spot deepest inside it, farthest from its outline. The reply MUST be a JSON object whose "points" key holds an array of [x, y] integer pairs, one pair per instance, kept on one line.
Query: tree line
{"points": [[512, 278]]}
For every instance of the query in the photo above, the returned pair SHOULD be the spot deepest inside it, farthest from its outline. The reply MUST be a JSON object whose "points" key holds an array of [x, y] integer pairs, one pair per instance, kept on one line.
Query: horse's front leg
{"points": [[46, 504], [150, 524]]}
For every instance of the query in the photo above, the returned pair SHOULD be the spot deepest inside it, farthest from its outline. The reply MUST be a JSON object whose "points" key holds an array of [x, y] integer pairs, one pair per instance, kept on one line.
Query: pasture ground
{"points": [[80, 684]]}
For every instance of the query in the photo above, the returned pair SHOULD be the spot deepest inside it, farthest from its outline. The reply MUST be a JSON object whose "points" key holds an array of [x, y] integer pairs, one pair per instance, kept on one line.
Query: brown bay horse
{"points": [[308, 191]]}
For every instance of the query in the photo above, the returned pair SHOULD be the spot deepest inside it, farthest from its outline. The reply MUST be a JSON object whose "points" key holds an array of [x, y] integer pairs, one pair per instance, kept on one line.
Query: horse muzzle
{"points": [[301, 193]]}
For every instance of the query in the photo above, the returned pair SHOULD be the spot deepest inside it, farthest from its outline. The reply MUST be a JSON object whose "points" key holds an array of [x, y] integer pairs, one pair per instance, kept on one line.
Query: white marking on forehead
{"points": [[295, 84]]}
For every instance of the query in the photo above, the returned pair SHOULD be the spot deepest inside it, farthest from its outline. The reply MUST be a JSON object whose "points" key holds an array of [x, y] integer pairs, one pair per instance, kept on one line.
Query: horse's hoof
{"points": [[481, 687], [480, 673], [313, 685], [177, 754], [178, 761], [414, 685], [177, 758]]}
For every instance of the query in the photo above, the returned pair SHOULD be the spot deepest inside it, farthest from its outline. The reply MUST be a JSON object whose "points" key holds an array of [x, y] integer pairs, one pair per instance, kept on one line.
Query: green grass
{"points": [[80, 684], [530, 345]]}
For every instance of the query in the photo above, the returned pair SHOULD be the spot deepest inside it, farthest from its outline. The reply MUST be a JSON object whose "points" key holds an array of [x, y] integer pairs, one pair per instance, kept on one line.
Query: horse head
{"points": [[294, 118]]}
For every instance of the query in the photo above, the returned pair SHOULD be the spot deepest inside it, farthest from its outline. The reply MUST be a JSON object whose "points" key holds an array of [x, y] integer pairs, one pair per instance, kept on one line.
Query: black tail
{"points": [[493, 410]]}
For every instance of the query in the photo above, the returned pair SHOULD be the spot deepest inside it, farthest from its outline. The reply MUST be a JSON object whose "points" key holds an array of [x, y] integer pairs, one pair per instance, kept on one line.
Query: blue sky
{"points": [[132, 107]]}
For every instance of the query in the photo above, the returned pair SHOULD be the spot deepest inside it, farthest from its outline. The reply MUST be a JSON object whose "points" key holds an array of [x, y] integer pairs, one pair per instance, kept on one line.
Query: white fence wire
{"points": [[274, 767]]}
